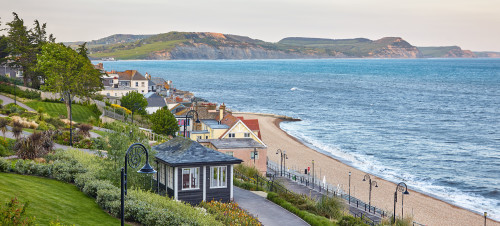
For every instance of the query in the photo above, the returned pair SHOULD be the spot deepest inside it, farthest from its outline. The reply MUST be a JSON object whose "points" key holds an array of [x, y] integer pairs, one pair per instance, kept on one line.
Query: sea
{"points": [[431, 123]]}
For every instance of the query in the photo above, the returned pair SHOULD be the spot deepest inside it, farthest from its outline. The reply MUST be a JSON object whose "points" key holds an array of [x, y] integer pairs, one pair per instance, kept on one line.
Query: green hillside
{"points": [[437, 51]]}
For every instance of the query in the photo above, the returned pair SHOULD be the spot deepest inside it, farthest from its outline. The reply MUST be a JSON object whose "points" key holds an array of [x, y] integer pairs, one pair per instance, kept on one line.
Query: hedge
{"points": [[306, 216]]}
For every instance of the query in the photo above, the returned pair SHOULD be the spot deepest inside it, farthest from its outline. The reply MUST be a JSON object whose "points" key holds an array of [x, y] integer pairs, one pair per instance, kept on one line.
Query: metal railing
{"points": [[123, 118], [332, 190]]}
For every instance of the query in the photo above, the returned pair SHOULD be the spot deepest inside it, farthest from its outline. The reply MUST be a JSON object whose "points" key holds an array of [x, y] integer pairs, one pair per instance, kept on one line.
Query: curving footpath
{"points": [[7, 100], [267, 212]]}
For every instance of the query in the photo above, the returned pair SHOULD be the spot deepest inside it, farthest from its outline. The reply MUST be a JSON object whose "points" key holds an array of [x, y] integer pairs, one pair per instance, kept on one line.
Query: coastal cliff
{"points": [[446, 52], [213, 46]]}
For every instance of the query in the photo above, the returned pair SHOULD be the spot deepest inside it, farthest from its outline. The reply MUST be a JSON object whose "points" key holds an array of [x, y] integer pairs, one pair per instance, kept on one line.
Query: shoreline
{"points": [[424, 208]]}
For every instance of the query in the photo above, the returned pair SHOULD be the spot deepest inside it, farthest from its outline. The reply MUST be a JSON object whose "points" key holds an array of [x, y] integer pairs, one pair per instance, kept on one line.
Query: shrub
{"points": [[36, 145], [330, 207], [56, 122], [229, 213], [4, 151], [95, 109], [91, 187], [66, 170], [4, 165], [351, 221], [14, 213], [43, 126], [306, 216], [84, 129], [83, 178]]}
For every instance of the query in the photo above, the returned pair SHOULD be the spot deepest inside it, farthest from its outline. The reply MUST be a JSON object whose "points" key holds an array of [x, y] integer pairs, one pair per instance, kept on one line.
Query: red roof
{"points": [[252, 124]]}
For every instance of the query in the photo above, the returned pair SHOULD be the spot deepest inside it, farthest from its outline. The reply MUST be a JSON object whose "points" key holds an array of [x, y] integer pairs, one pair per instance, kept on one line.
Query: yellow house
{"points": [[240, 130], [210, 129]]}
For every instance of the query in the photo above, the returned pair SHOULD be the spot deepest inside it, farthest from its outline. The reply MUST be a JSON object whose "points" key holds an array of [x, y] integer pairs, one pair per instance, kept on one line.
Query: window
{"points": [[254, 155], [206, 137], [142, 91], [190, 178], [247, 134], [142, 84], [199, 137], [232, 135], [136, 84], [107, 94], [218, 177], [115, 94], [230, 153]]}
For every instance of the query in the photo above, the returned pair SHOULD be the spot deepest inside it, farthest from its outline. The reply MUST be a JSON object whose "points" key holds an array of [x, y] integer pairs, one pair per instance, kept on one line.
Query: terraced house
{"points": [[119, 83]]}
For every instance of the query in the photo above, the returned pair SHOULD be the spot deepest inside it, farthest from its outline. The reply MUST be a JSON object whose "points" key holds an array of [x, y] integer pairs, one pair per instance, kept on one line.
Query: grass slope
{"points": [[141, 52], [80, 113], [51, 200]]}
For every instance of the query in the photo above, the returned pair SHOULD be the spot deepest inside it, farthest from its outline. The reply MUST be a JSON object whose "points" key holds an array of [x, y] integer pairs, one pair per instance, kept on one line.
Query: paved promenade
{"points": [[7, 100], [267, 212]]}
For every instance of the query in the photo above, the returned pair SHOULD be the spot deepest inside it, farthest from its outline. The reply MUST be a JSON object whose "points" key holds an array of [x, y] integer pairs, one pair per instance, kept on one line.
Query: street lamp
{"points": [[370, 192], [197, 119], [281, 161], [70, 118], [313, 172], [285, 157], [255, 153], [133, 160], [404, 190], [349, 188], [15, 96]]}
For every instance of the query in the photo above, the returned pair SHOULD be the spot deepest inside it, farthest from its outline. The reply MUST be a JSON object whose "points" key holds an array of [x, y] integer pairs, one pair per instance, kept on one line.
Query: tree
{"points": [[82, 50], [68, 73], [23, 47], [164, 122], [135, 102]]}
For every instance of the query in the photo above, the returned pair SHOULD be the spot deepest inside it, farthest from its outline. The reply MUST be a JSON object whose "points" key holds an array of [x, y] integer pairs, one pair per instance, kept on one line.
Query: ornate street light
{"points": [[367, 177], [133, 158], [70, 118], [281, 161], [185, 120], [404, 190]]}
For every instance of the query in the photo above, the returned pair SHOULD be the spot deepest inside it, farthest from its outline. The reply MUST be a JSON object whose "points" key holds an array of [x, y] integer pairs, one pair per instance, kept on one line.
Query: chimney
{"points": [[221, 111]]}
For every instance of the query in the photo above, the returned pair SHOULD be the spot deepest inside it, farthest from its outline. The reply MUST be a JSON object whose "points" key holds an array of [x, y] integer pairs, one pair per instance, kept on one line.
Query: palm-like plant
{"points": [[17, 129], [3, 126]]}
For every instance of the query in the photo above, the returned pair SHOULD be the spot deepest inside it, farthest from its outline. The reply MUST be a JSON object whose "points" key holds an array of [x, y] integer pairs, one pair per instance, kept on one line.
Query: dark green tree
{"points": [[164, 122], [82, 50], [68, 73], [3, 47], [23, 47], [135, 101]]}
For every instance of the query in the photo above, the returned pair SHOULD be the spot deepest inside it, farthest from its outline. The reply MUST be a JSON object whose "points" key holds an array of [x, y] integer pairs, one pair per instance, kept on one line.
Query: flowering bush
{"points": [[229, 213], [122, 108]]}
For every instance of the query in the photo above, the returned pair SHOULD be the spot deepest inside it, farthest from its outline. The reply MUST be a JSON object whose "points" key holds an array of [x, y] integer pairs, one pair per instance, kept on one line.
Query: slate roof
{"points": [[214, 124], [180, 151], [233, 143], [155, 100], [158, 81]]}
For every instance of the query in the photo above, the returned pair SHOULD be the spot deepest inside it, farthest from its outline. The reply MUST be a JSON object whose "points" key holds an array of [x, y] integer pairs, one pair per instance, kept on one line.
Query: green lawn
{"points": [[80, 113], [102, 133], [51, 200]]}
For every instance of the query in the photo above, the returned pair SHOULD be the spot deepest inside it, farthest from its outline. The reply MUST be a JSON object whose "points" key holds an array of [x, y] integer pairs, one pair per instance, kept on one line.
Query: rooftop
{"points": [[233, 143], [180, 151], [214, 124]]}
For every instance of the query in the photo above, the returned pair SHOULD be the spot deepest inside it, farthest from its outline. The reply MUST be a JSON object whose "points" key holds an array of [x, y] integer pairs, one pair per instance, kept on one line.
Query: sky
{"points": [[470, 24]]}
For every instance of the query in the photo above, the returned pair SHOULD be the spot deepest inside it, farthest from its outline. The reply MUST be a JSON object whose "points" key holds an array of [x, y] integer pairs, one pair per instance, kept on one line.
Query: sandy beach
{"points": [[424, 209]]}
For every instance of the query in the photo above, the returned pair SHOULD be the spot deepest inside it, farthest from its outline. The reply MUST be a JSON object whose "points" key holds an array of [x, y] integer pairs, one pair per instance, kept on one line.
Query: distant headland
{"points": [[212, 46]]}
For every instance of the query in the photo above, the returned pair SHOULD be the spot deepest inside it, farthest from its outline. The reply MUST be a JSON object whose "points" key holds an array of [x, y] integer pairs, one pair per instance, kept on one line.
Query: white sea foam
{"points": [[369, 164]]}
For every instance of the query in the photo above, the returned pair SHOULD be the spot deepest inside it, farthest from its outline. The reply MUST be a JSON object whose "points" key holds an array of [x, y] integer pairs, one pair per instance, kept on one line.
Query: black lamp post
{"points": [[255, 153], [15, 96], [133, 159], [370, 192], [281, 161], [313, 172], [70, 118], [349, 188], [404, 190], [185, 120], [285, 157]]}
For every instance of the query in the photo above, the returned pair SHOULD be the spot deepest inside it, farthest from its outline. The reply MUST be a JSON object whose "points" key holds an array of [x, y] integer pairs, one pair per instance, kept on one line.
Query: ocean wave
{"points": [[425, 185]]}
